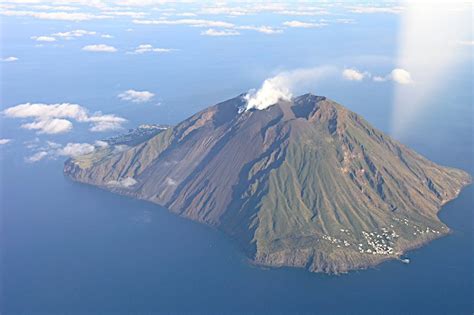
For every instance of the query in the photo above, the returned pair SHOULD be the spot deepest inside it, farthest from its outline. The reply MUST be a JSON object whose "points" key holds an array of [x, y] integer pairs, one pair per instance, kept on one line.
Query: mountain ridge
{"points": [[304, 183]]}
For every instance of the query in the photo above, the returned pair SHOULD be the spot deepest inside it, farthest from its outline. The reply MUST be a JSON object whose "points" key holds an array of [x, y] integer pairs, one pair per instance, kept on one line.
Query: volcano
{"points": [[303, 183]]}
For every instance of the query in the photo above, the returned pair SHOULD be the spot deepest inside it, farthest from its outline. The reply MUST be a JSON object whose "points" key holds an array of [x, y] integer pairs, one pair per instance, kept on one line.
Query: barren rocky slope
{"points": [[305, 183]]}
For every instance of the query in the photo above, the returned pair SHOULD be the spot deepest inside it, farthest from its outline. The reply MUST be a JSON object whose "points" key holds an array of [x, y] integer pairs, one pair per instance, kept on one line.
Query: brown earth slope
{"points": [[305, 183]]}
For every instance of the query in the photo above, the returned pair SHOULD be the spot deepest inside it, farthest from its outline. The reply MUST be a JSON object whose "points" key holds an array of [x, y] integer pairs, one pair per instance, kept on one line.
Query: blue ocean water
{"points": [[69, 248]]}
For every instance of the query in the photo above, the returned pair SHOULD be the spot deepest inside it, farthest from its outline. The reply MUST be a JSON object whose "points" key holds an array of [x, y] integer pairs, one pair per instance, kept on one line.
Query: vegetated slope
{"points": [[305, 183]]}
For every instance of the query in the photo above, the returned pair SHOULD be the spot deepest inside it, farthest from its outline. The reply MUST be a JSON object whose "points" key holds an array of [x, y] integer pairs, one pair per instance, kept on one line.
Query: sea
{"points": [[69, 248]]}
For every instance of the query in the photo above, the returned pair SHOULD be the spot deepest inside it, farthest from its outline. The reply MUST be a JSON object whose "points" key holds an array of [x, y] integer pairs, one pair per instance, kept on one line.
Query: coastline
{"points": [[301, 258]]}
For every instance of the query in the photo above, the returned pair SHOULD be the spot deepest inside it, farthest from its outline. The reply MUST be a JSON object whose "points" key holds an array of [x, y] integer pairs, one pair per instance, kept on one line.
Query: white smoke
{"points": [[282, 86], [272, 91]]}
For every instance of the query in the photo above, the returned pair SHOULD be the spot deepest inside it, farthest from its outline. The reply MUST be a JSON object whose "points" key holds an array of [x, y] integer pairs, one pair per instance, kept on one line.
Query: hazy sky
{"points": [[77, 71]]}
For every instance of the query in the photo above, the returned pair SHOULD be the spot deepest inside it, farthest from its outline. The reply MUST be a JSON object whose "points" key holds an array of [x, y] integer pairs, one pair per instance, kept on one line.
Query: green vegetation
{"points": [[304, 183]]}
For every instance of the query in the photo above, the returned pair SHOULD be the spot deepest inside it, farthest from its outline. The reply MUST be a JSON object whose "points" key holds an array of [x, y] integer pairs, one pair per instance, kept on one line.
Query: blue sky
{"points": [[73, 72]]}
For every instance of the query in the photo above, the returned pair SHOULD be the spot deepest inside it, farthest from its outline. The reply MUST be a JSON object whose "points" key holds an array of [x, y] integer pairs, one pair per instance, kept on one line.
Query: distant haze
{"points": [[428, 47]]}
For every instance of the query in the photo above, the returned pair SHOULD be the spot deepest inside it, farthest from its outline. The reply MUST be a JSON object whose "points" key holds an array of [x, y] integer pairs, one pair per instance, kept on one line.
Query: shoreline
{"points": [[324, 266]]}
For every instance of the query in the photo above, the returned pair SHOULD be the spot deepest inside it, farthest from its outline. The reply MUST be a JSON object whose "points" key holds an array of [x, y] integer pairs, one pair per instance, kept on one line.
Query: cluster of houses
{"points": [[376, 243], [417, 230], [379, 244], [336, 241]]}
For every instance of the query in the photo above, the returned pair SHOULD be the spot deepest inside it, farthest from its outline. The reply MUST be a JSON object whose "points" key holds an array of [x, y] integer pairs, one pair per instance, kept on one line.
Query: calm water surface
{"points": [[71, 248]]}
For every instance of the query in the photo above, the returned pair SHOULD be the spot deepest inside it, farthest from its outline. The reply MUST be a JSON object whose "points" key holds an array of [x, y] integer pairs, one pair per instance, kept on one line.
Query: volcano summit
{"points": [[303, 183]]}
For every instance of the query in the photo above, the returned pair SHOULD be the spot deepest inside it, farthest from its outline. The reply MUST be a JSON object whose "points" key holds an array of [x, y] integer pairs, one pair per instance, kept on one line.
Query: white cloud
{"points": [[32, 144], [303, 24], [39, 110], [48, 150], [75, 149], [401, 76], [125, 182], [190, 22], [344, 21], [146, 48], [369, 9], [45, 111], [248, 8], [53, 150], [59, 16], [4, 141], [303, 12], [9, 59], [132, 14], [213, 32], [5, 6], [102, 123], [186, 14], [142, 3], [136, 96], [74, 33], [44, 38], [53, 145], [354, 74], [261, 29], [398, 75], [281, 86], [221, 10], [100, 48], [68, 36], [210, 24], [101, 144], [49, 126], [50, 7], [379, 78], [55, 118], [38, 156]]}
